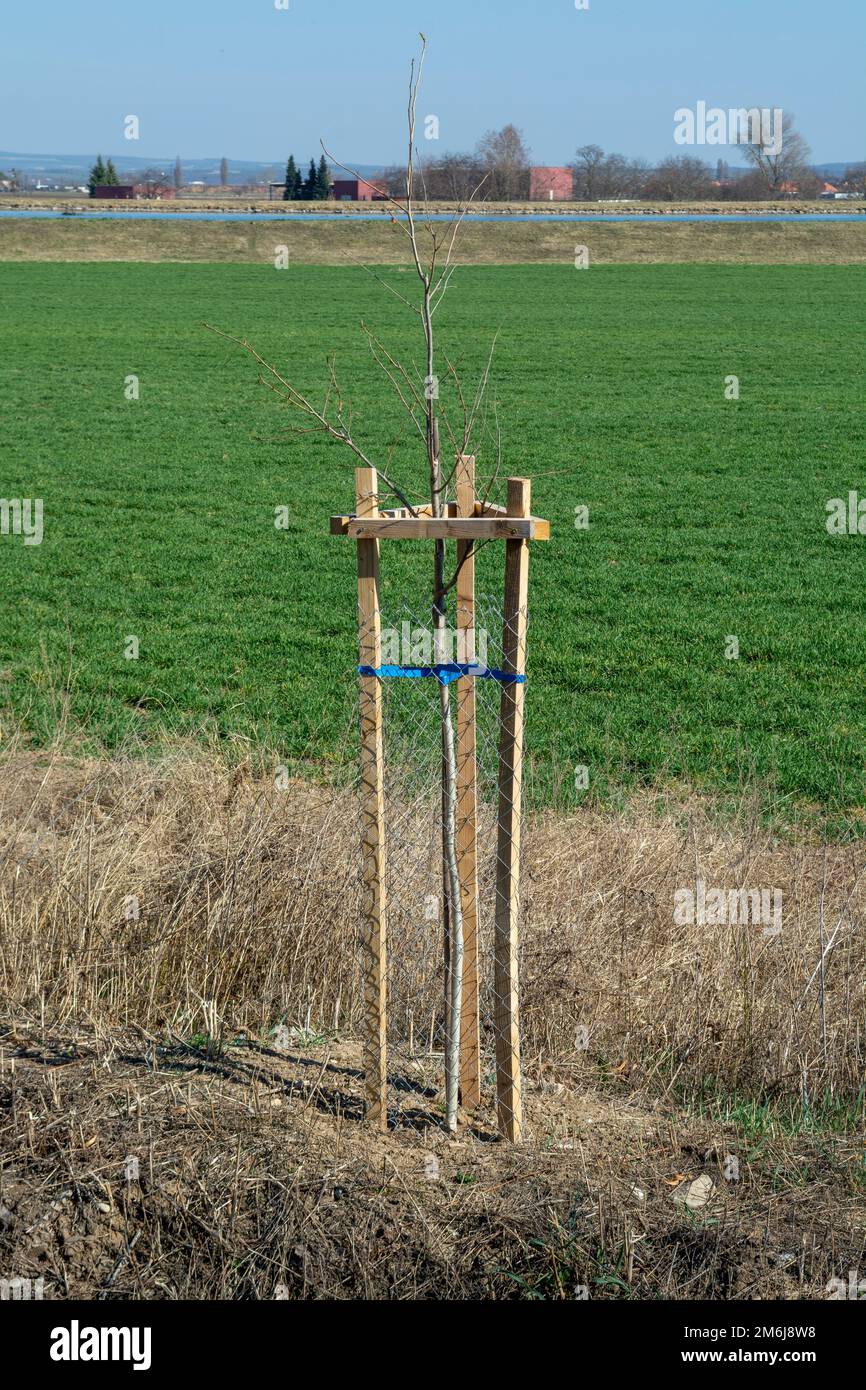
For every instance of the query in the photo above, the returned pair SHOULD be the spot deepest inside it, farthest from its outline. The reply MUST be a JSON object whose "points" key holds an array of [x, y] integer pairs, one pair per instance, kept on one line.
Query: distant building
{"points": [[116, 190], [550, 183], [357, 191]]}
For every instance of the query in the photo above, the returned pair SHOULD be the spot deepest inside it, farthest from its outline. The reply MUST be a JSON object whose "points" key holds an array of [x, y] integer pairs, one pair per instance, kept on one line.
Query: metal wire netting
{"points": [[416, 899]]}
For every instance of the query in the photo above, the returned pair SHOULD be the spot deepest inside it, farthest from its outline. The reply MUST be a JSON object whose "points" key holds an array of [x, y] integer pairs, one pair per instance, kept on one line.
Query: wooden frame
{"points": [[467, 846], [400, 524], [452, 528], [375, 954], [466, 520], [505, 962]]}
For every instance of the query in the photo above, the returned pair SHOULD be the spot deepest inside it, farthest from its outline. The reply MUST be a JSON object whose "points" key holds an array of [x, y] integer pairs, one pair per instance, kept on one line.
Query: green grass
{"points": [[760, 1118], [706, 515]]}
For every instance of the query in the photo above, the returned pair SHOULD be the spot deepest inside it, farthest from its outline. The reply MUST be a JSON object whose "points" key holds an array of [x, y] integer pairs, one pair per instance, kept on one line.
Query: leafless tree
{"points": [[431, 248], [505, 156], [599, 175], [450, 177], [680, 177], [153, 182], [587, 163], [784, 161]]}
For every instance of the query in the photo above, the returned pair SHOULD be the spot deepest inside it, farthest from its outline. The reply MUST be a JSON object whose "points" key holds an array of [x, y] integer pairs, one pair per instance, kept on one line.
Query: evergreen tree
{"points": [[178, 174], [293, 179], [323, 180], [308, 191], [97, 174], [224, 172], [111, 174]]}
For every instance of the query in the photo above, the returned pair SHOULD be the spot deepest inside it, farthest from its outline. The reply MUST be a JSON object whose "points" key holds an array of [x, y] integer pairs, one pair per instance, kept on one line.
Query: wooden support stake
{"points": [[506, 1020], [467, 850], [375, 963]]}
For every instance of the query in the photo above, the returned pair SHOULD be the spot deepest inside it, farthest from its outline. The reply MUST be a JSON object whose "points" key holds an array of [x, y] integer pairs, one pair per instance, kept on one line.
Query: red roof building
{"points": [[550, 183], [357, 191]]}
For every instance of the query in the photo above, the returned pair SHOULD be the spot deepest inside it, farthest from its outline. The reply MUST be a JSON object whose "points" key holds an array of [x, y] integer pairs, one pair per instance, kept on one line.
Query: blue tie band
{"points": [[445, 672]]}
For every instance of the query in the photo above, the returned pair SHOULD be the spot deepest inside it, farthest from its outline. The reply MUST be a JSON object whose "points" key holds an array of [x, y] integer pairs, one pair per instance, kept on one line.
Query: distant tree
{"points": [[393, 180], [505, 155], [153, 182], [96, 178], [784, 162], [111, 174], [293, 180], [679, 178], [638, 173], [620, 177], [323, 180], [587, 163], [599, 175], [178, 175], [451, 177], [308, 191], [854, 179], [749, 186], [224, 172]]}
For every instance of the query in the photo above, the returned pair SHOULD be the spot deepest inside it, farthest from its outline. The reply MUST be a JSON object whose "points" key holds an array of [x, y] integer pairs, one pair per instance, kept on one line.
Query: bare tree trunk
{"points": [[452, 907], [434, 275]]}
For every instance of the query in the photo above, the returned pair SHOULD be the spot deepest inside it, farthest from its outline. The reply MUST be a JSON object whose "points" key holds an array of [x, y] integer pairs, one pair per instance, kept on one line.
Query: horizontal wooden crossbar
{"points": [[489, 523], [449, 528]]}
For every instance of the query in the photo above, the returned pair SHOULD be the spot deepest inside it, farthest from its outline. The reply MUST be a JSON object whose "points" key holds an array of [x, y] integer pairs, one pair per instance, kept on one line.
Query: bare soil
{"points": [[257, 1178]]}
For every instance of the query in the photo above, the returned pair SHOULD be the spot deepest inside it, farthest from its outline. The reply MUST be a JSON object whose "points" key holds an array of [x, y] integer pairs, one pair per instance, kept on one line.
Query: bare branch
{"points": [[299, 402]]}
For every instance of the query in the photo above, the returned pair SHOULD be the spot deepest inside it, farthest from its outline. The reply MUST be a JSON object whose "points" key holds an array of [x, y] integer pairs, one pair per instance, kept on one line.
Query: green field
{"points": [[707, 516]]}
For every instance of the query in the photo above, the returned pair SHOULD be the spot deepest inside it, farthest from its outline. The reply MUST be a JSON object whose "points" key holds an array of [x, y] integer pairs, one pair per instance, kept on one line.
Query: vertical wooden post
{"points": [[467, 849], [506, 1019], [375, 962]]}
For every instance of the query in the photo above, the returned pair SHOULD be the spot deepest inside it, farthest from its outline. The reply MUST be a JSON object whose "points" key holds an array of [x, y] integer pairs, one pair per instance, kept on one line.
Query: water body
{"points": [[542, 218]]}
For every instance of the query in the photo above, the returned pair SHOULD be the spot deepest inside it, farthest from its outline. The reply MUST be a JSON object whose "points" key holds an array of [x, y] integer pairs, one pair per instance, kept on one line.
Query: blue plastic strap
{"points": [[445, 672]]}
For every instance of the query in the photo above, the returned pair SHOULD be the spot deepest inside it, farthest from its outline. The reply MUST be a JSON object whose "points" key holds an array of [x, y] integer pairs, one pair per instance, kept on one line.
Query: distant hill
{"points": [[835, 170], [74, 168]]}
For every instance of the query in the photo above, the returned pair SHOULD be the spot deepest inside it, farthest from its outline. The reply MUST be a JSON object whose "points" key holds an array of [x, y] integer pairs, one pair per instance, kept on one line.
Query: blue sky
{"points": [[241, 78]]}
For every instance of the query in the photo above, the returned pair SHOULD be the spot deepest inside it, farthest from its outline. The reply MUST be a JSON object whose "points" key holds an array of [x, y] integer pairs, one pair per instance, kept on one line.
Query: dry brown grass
{"points": [[379, 243], [248, 912], [153, 1038]]}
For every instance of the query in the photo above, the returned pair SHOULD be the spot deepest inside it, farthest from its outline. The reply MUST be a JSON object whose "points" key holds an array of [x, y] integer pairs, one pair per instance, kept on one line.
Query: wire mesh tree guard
{"points": [[406, 911]]}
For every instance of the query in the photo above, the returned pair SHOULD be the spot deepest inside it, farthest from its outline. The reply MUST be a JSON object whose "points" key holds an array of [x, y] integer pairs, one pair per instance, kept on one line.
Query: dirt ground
{"points": [[137, 1167]]}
